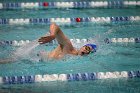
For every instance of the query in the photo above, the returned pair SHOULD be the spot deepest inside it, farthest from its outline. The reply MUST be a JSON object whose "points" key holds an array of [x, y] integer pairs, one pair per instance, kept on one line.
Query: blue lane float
{"points": [[23, 21], [83, 4], [122, 40], [4, 21], [18, 79], [68, 77], [106, 40]]}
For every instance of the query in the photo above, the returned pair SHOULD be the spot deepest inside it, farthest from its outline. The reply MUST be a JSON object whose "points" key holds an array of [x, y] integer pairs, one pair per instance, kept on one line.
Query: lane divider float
{"points": [[68, 77], [84, 4], [22, 21], [106, 40], [122, 40]]}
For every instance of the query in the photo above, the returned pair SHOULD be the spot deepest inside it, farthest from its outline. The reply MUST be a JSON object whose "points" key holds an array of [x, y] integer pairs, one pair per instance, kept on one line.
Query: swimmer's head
{"points": [[87, 49]]}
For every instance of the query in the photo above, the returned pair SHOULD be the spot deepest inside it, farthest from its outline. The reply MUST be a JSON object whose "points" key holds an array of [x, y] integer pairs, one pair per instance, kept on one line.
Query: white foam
{"points": [[1, 81], [23, 51], [1, 5]]}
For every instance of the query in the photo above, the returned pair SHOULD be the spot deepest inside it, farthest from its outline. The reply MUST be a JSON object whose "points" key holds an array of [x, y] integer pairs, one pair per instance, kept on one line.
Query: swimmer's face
{"points": [[85, 50]]}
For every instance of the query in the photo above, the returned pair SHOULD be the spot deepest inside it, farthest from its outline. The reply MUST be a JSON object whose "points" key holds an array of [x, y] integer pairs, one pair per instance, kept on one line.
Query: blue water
{"points": [[109, 57]]}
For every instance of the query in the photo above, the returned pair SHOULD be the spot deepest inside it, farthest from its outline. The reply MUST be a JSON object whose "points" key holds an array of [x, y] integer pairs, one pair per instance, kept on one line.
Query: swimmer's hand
{"points": [[46, 39]]}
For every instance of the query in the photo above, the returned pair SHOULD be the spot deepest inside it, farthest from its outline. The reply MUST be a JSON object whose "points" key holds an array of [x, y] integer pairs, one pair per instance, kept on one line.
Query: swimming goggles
{"points": [[89, 49]]}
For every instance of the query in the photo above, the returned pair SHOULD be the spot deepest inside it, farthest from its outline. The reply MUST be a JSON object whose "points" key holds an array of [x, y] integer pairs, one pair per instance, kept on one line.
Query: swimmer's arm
{"points": [[53, 32], [46, 39]]}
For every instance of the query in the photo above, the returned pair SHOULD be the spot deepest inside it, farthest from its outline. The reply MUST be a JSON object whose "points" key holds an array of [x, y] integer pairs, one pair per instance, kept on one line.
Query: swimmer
{"points": [[64, 44]]}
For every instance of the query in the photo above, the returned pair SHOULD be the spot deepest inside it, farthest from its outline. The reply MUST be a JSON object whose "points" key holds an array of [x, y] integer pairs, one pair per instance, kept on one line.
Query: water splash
{"points": [[24, 51]]}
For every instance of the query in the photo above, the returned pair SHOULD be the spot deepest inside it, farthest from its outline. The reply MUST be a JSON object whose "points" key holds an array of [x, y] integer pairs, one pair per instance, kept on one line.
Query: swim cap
{"points": [[94, 47]]}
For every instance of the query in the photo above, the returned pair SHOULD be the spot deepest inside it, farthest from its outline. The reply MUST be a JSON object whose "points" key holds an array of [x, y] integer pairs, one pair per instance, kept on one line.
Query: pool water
{"points": [[109, 57]]}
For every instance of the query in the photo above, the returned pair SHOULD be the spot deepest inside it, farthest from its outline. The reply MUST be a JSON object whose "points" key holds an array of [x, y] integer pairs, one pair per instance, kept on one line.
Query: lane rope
{"points": [[68, 77], [69, 20], [84, 4], [106, 40]]}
